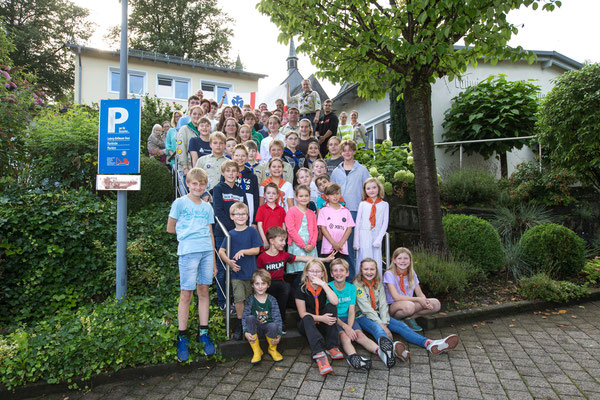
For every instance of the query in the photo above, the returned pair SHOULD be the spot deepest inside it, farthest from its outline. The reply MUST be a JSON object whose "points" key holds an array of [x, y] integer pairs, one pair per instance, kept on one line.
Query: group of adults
{"points": [[324, 122]]}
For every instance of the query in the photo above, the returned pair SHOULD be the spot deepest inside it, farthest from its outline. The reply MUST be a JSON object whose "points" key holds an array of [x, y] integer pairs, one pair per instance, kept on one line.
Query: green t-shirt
{"points": [[262, 311]]}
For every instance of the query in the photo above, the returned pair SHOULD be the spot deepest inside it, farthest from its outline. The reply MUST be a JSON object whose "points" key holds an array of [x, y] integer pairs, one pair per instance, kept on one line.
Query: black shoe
{"points": [[358, 362]]}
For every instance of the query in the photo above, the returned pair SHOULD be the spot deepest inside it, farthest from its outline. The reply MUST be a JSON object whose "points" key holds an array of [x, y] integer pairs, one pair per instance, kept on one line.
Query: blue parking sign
{"points": [[119, 136]]}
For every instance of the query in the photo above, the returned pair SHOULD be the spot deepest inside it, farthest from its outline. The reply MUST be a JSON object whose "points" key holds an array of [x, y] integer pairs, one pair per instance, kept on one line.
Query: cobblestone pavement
{"points": [[548, 355]]}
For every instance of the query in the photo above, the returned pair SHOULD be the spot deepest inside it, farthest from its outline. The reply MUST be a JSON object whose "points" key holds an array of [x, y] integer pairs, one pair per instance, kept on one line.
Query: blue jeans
{"points": [[395, 326], [351, 253]]}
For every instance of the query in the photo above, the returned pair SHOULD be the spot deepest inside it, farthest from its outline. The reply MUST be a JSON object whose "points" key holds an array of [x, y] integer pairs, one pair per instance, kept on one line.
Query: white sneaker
{"points": [[401, 352], [441, 345]]}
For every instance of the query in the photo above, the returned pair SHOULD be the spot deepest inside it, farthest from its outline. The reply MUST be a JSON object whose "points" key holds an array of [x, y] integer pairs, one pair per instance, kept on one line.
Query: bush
{"points": [[154, 111], [54, 251], [513, 258], [591, 270], [553, 249], [470, 186], [511, 222], [156, 187], [474, 240], [441, 274], [549, 187], [542, 287], [394, 167], [96, 339], [568, 122], [63, 149]]}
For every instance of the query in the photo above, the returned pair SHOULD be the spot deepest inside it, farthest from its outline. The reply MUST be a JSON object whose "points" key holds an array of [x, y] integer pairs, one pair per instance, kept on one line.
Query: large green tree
{"points": [[40, 30], [405, 45], [494, 108], [195, 29], [569, 124]]}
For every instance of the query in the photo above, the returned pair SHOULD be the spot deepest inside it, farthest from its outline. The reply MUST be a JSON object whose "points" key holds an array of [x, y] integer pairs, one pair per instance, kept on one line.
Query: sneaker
{"points": [[335, 353], [323, 364], [386, 351], [441, 345], [207, 344], [182, 349], [412, 324], [319, 355], [358, 362], [401, 352], [283, 332]]}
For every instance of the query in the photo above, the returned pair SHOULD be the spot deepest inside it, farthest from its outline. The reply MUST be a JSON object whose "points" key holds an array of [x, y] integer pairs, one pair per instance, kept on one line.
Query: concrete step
{"points": [[241, 348]]}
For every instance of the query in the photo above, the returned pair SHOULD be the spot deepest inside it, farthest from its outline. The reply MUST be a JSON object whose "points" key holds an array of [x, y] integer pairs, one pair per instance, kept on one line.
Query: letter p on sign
{"points": [[113, 120]]}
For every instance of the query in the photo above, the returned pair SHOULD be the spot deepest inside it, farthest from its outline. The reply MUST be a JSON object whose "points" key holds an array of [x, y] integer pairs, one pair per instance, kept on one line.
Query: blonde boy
{"points": [[190, 219], [275, 151], [211, 163]]}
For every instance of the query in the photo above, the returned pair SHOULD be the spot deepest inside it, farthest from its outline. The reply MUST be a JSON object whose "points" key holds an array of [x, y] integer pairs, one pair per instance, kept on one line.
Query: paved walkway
{"points": [[530, 355]]}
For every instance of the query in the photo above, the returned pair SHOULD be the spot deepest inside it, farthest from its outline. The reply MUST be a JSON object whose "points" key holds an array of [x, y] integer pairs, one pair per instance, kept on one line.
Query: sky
{"points": [[571, 30]]}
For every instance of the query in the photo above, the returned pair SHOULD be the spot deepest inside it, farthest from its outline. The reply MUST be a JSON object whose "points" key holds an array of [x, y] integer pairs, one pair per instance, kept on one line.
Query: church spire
{"points": [[292, 60]]}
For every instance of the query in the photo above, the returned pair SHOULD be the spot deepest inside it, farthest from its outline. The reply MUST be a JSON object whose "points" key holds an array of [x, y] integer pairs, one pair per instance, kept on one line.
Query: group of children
{"points": [[263, 213]]}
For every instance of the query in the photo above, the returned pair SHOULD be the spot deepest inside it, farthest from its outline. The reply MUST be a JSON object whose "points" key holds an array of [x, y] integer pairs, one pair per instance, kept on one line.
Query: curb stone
{"points": [[293, 339]]}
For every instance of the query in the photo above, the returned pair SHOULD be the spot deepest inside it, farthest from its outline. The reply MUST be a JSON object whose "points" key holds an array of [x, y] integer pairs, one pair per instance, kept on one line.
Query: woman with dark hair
{"points": [[227, 112], [231, 128]]}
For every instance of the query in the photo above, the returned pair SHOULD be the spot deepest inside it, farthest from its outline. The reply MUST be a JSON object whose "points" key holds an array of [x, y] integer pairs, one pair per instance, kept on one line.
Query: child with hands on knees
{"points": [[262, 318], [402, 284], [371, 223], [316, 303], [348, 328], [375, 318]]}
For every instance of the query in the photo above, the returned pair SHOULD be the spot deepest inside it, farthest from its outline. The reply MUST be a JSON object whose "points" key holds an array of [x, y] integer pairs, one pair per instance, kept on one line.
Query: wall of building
{"points": [[96, 77], [375, 114]]}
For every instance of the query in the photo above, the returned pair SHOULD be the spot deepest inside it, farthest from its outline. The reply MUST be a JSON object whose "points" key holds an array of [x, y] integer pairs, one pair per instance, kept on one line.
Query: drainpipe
{"points": [[79, 76]]}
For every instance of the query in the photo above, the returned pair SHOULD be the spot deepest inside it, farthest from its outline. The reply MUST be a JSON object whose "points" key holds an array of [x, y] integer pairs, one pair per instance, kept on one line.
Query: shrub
{"points": [[154, 111], [553, 249], [568, 123], [54, 251], [511, 222], [470, 186], [156, 187], [97, 338], [441, 274], [63, 148], [474, 240], [591, 270], [551, 186], [393, 166], [542, 287]]}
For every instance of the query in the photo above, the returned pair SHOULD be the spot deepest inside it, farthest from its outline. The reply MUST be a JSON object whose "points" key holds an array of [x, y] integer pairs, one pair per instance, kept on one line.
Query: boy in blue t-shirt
{"points": [[191, 218], [245, 246], [348, 328]]}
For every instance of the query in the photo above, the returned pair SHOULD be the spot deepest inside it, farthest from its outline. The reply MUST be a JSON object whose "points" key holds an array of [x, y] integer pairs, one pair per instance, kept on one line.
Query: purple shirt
{"points": [[336, 222], [390, 277]]}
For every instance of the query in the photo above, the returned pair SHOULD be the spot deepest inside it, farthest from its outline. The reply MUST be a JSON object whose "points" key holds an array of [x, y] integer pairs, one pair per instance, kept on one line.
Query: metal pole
{"points": [[460, 157], [122, 194], [540, 155], [227, 285], [387, 249]]}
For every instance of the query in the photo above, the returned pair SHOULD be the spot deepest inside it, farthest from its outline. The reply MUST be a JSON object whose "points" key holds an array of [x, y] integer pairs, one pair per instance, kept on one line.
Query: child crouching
{"points": [[262, 318]]}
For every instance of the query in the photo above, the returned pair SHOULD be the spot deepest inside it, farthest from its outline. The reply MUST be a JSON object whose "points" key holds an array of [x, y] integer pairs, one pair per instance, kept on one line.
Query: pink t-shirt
{"points": [[390, 277], [336, 222]]}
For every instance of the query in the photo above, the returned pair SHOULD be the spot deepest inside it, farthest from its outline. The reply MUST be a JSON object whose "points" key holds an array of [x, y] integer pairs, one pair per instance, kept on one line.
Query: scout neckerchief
{"points": [[251, 167], [295, 155], [242, 184], [193, 128], [372, 218], [279, 185], [315, 293], [371, 292], [401, 276]]}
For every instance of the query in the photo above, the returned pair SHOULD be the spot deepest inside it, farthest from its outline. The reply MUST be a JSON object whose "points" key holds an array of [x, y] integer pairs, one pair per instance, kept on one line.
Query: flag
{"points": [[240, 98]]}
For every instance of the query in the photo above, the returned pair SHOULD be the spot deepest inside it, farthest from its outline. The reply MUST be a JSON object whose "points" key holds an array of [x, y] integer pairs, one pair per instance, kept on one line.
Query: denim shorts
{"points": [[355, 325], [196, 269]]}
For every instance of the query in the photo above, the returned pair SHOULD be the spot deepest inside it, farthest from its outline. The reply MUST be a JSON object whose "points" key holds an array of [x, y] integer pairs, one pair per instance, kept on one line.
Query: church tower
{"points": [[292, 60]]}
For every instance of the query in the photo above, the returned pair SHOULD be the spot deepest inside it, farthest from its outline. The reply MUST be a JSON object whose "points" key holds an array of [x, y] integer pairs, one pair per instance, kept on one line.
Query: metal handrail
{"points": [[227, 274], [460, 143]]}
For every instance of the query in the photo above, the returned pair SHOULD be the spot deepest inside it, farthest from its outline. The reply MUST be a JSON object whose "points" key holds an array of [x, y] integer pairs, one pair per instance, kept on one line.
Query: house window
{"points": [[173, 87], [215, 89], [136, 84]]}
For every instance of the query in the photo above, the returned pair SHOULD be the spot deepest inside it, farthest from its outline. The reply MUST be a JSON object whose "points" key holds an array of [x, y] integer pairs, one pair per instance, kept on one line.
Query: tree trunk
{"points": [[417, 103], [503, 165]]}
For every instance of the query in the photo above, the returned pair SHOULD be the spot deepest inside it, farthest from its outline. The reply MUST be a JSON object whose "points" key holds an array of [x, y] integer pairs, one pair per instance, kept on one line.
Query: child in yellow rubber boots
{"points": [[262, 317]]}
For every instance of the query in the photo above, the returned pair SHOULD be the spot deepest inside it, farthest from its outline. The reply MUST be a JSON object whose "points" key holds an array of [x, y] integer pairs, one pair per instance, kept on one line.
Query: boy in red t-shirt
{"points": [[270, 214], [274, 260]]}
